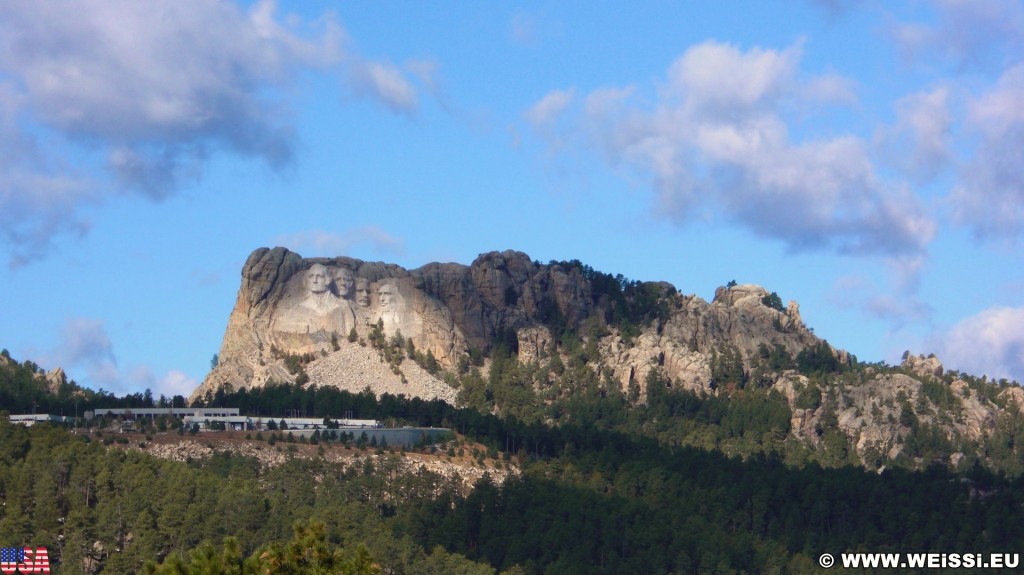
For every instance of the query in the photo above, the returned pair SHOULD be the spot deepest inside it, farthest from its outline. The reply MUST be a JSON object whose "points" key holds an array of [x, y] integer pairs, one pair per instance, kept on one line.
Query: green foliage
{"points": [[776, 358], [295, 363], [907, 416], [808, 397], [773, 301], [817, 359], [377, 338], [626, 304], [941, 395], [23, 389], [309, 551], [589, 498], [727, 367]]}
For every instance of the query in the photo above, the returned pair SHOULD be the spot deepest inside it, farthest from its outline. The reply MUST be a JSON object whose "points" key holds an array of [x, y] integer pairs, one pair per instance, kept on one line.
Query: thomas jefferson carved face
{"points": [[362, 292], [317, 279], [345, 282]]}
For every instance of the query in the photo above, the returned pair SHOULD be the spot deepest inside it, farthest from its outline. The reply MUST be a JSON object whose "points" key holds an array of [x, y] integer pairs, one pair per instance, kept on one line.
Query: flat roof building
{"points": [[28, 420]]}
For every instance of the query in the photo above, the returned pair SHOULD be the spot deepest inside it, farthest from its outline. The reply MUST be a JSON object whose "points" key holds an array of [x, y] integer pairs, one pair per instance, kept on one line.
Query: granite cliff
{"points": [[452, 310], [348, 323]]}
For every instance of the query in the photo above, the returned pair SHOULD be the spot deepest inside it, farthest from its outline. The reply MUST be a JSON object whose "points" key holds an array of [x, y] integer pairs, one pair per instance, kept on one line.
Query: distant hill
{"points": [[562, 342], [25, 387]]}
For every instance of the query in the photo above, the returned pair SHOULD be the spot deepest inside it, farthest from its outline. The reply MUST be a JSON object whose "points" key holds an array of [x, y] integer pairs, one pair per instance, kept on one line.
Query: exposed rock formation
{"points": [[290, 305], [923, 366], [329, 311], [880, 413], [683, 345], [54, 379]]}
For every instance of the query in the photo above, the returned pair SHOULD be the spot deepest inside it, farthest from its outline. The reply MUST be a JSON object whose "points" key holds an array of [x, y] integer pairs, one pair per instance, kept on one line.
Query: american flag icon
{"points": [[24, 560]]}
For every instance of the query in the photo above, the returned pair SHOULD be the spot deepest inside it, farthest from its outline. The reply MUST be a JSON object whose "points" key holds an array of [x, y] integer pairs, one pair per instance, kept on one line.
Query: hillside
{"points": [[625, 474], [562, 342]]}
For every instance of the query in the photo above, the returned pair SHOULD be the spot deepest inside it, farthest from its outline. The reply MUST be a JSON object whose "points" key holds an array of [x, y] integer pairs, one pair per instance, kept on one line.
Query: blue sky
{"points": [[862, 158]]}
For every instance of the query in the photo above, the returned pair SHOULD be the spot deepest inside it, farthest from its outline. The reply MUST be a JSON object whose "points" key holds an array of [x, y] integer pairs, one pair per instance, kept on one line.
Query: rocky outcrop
{"points": [[683, 345], [879, 414], [463, 470], [922, 366], [55, 378], [323, 308]]}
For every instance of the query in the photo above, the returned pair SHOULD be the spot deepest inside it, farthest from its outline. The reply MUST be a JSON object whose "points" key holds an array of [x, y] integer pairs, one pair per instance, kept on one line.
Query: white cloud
{"points": [[831, 89], [331, 244], [977, 33], [175, 382], [919, 141], [897, 303], [988, 343], [170, 72], [606, 102], [39, 194], [989, 196], [85, 340], [154, 90], [717, 139], [386, 83], [714, 79], [85, 345], [531, 30], [524, 29], [546, 111]]}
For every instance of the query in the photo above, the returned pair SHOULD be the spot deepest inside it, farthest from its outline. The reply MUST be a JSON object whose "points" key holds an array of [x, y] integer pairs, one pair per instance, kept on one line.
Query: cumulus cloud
{"points": [[547, 110], [171, 72], [330, 244], [988, 343], [717, 139], [533, 29], [918, 143], [897, 303], [384, 82], [174, 382], [39, 193], [989, 196], [970, 34], [116, 94], [86, 347]]}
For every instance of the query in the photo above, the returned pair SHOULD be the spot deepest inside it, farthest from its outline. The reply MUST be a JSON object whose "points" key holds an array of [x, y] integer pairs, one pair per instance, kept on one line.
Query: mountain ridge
{"points": [[573, 332]]}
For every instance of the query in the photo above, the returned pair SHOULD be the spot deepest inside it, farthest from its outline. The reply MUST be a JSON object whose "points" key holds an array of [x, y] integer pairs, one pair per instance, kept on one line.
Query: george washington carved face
{"points": [[317, 279]]}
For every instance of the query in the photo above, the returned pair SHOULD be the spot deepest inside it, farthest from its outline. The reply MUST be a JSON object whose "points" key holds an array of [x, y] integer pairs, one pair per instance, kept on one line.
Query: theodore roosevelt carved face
{"points": [[362, 292]]}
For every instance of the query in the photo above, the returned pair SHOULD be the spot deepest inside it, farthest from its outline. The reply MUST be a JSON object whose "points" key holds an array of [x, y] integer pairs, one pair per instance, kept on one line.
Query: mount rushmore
{"points": [[325, 310], [292, 305]]}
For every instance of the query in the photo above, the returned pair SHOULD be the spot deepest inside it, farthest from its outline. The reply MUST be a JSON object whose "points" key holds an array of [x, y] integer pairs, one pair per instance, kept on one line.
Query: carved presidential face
{"points": [[345, 283], [317, 279], [386, 295], [362, 292]]}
